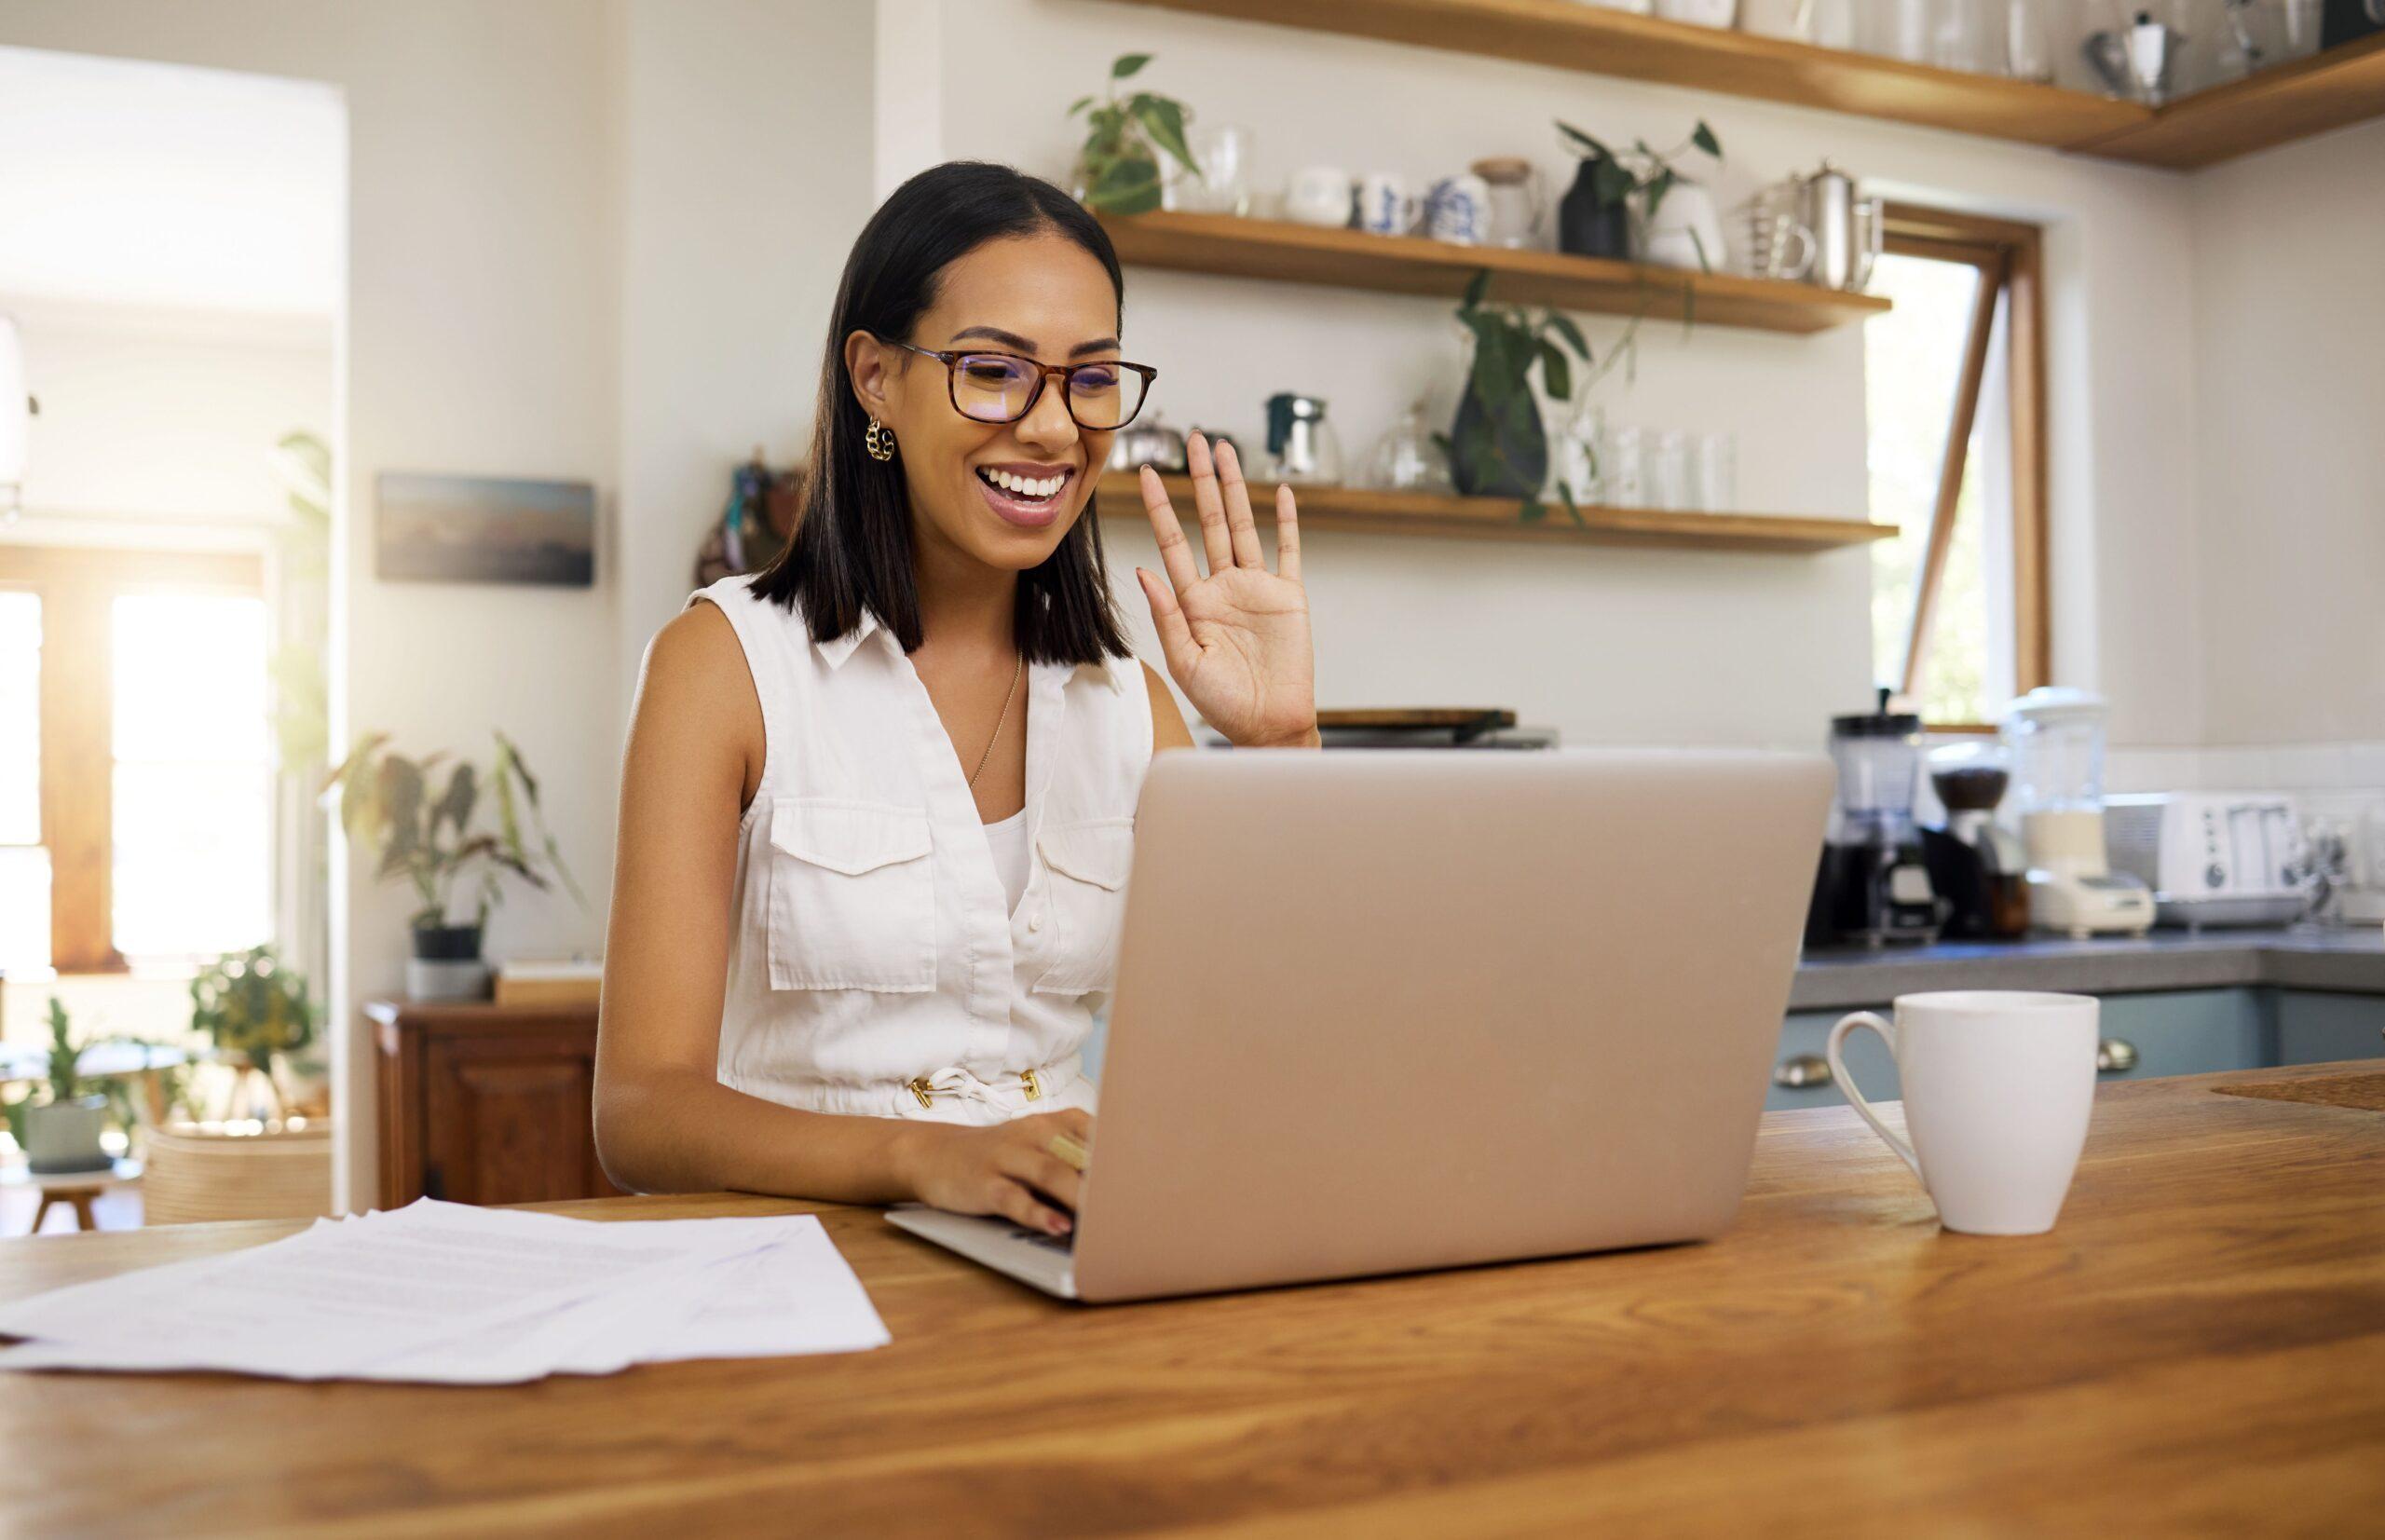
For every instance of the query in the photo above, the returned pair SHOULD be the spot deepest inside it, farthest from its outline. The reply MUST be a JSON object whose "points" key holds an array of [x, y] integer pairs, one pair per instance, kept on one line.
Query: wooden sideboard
{"points": [[486, 1103]]}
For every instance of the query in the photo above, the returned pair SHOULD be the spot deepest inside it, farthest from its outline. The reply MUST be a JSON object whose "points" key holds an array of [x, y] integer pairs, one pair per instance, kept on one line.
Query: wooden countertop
{"points": [[2199, 1346]]}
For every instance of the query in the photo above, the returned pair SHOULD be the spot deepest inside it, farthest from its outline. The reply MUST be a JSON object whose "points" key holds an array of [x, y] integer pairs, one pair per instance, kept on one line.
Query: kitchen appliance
{"points": [[1846, 227], [1147, 441], [1874, 887], [2349, 828], [1977, 866], [2212, 858], [2056, 738], [1306, 452]]}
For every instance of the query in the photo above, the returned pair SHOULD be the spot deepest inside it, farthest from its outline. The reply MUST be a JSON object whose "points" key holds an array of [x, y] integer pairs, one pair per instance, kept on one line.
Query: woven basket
{"points": [[198, 1171]]}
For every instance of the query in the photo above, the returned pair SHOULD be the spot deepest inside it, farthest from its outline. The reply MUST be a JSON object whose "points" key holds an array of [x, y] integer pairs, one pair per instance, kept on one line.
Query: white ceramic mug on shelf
{"points": [[1318, 195], [1997, 1089]]}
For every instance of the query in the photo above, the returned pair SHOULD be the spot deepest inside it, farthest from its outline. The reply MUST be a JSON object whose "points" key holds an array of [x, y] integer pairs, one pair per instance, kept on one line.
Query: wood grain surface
{"points": [[2198, 1346]]}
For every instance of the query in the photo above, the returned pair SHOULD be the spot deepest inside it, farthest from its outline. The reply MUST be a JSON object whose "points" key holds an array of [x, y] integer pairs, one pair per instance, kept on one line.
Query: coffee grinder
{"points": [[1978, 866], [1874, 887]]}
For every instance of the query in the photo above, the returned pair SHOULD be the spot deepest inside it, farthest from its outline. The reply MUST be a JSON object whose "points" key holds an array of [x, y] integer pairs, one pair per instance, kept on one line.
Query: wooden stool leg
{"points": [[41, 1213], [84, 1218]]}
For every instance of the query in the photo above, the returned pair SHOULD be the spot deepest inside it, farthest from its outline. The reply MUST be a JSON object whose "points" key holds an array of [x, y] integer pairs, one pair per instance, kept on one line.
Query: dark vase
{"points": [[447, 943], [1586, 228], [1521, 467]]}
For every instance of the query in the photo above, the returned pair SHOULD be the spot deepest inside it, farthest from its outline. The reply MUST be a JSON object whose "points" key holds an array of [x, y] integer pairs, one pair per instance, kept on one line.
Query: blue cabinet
{"points": [[2314, 1028], [2175, 1032]]}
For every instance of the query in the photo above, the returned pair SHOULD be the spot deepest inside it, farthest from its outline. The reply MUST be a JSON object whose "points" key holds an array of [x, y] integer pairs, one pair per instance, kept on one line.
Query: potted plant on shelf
{"points": [[1118, 169], [255, 1009], [1498, 446], [59, 1133], [434, 842], [1595, 217]]}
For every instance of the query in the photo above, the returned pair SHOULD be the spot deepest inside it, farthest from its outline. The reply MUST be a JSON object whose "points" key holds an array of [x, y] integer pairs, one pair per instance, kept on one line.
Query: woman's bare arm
{"points": [[665, 1123]]}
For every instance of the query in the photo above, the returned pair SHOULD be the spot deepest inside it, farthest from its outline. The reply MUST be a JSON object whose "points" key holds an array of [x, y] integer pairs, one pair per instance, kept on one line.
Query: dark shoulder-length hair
{"points": [[852, 549]]}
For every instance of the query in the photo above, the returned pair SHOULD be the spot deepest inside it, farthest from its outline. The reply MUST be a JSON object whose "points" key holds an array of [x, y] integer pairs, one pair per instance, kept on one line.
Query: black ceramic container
{"points": [[1587, 229]]}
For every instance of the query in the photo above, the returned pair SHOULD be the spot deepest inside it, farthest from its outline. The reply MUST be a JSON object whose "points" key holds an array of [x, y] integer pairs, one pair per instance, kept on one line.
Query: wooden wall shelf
{"points": [[2327, 90], [1369, 512], [1411, 265], [2344, 85], [1570, 34]]}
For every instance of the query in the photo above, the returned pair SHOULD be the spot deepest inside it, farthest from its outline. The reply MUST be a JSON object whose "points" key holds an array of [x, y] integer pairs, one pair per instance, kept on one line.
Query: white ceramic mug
{"points": [[1319, 195], [1997, 1086], [1385, 206]]}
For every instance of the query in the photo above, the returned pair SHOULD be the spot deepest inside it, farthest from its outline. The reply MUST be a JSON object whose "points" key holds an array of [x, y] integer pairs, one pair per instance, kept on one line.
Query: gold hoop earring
{"points": [[879, 442]]}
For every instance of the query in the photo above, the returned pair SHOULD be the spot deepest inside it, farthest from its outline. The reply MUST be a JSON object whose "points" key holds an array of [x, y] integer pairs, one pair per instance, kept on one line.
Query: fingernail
{"points": [[1059, 1227]]}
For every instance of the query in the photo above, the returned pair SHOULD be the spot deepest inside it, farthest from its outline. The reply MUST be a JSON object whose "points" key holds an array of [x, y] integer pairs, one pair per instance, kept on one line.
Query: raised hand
{"points": [[1236, 641]]}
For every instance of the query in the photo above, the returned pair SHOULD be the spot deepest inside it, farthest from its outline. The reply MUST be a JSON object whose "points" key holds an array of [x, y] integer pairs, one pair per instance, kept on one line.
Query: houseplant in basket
{"points": [[59, 1132], [255, 1009], [421, 820]]}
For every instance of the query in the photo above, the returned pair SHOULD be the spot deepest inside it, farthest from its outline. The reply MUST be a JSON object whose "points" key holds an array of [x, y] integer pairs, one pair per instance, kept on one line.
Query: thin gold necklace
{"points": [[999, 722]]}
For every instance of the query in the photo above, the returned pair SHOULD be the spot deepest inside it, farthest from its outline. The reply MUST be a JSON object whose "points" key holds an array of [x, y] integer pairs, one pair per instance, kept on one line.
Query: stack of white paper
{"points": [[445, 1294]]}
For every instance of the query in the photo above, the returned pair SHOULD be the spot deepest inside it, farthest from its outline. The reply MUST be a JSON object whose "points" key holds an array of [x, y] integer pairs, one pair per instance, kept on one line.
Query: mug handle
{"points": [[1847, 1082]]}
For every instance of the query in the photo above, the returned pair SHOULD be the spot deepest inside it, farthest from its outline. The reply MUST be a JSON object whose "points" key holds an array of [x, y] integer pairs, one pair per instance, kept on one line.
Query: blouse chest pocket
{"points": [[852, 897], [1087, 864]]}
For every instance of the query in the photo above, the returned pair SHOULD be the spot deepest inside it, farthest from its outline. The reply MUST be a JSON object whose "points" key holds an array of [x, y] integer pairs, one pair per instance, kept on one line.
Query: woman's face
{"points": [[1042, 297]]}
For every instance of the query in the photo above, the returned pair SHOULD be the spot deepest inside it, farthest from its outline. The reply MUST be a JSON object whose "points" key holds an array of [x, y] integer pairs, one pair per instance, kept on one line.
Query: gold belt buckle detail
{"points": [[1034, 1087], [917, 1086]]}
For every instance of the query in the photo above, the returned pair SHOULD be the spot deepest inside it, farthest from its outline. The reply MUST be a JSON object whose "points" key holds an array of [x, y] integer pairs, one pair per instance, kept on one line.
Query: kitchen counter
{"points": [[2346, 958], [2199, 1344]]}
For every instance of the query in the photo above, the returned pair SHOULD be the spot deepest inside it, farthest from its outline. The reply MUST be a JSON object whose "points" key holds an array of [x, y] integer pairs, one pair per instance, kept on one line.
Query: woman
{"points": [[878, 801]]}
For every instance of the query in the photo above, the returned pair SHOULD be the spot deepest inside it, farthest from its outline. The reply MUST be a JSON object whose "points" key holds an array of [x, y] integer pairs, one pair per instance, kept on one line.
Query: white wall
{"points": [[156, 417], [483, 266], [2289, 439], [1610, 644], [746, 177]]}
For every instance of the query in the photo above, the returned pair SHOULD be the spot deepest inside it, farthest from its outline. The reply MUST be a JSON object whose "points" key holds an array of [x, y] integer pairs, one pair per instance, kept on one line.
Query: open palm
{"points": [[1236, 641]]}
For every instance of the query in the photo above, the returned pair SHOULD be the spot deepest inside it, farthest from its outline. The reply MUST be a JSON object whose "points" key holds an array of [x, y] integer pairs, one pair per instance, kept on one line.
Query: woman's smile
{"points": [[1026, 492]]}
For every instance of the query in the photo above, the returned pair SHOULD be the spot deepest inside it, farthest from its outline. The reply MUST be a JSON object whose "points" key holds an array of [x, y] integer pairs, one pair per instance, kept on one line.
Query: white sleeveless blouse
{"points": [[877, 966]]}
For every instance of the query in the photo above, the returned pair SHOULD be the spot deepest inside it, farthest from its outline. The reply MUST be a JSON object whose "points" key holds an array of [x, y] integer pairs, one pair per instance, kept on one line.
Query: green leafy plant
{"points": [[252, 1007], [1118, 168], [434, 841], [1498, 439], [63, 1073], [1642, 171]]}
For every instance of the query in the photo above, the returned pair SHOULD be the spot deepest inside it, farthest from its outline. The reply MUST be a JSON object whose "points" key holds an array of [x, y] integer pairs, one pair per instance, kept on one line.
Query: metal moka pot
{"points": [[1846, 227], [2141, 61]]}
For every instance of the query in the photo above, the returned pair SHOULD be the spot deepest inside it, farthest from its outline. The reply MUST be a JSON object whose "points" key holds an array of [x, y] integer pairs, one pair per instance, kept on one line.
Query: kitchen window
{"points": [[1955, 385], [136, 760]]}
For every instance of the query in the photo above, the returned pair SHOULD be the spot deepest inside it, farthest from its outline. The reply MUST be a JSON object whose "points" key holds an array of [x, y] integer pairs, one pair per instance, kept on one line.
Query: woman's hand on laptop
{"points": [[1237, 641], [1007, 1169]]}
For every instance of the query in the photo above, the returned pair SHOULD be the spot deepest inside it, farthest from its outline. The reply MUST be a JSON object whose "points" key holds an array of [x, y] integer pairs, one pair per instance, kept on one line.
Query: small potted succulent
{"points": [[435, 842], [61, 1131]]}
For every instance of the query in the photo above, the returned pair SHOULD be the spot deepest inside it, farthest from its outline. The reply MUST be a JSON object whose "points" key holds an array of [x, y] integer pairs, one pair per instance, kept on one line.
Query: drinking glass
{"points": [[1714, 471], [1223, 151], [1625, 483], [2028, 42], [1668, 471]]}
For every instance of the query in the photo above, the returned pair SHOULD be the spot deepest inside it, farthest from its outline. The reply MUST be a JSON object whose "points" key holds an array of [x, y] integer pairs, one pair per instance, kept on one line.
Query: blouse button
{"points": [[1035, 920]]}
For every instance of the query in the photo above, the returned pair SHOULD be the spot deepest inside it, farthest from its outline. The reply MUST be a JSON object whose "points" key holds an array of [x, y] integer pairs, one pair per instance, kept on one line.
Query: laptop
{"points": [[1410, 1009]]}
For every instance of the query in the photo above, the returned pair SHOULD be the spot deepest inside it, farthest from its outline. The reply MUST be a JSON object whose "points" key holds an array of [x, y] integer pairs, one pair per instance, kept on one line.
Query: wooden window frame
{"points": [[2009, 258], [78, 587]]}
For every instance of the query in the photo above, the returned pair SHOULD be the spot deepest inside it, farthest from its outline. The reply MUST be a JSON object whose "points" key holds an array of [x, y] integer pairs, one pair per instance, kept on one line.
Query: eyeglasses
{"points": [[1102, 397]]}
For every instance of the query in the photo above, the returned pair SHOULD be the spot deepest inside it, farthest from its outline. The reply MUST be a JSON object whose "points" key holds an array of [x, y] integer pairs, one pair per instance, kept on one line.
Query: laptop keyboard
{"points": [[1063, 1245]]}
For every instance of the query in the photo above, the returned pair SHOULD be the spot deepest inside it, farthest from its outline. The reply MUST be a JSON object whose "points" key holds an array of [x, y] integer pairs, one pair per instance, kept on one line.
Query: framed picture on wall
{"points": [[483, 529]]}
